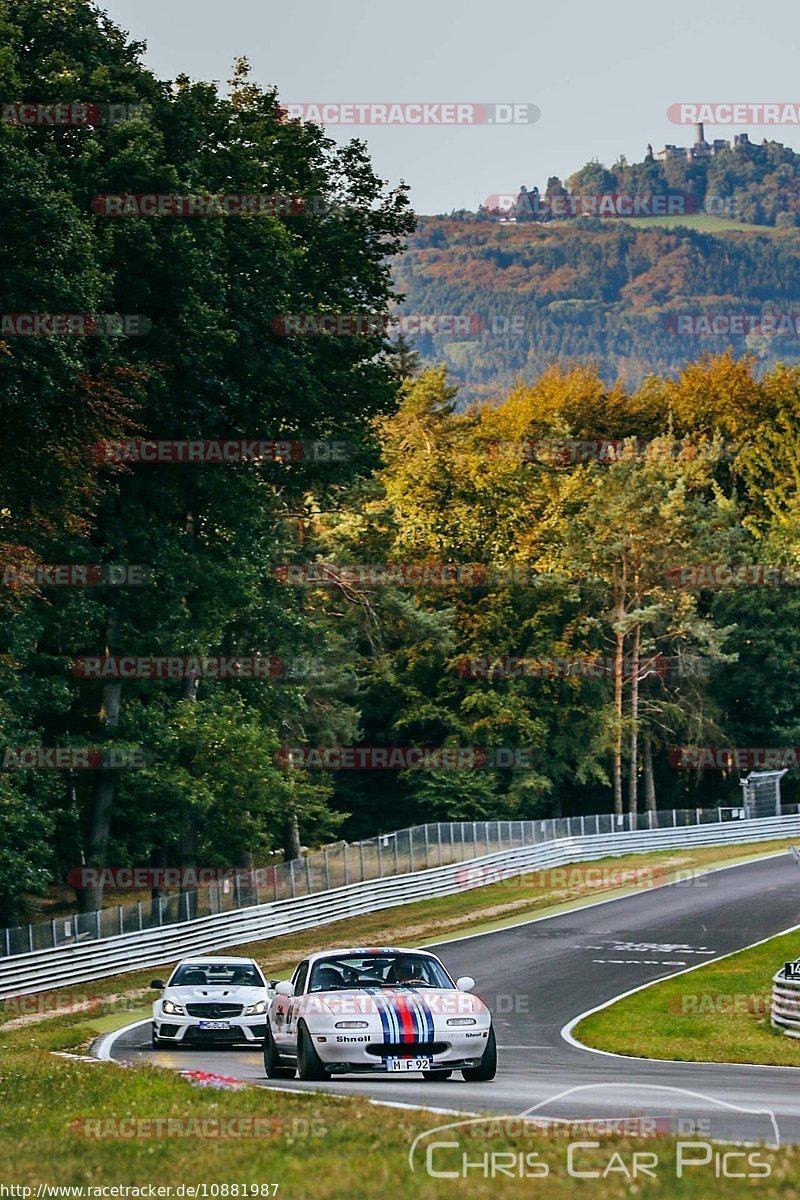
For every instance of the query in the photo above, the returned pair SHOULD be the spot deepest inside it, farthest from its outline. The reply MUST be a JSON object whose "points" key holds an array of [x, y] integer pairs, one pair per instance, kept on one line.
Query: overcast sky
{"points": [[603, 75]]}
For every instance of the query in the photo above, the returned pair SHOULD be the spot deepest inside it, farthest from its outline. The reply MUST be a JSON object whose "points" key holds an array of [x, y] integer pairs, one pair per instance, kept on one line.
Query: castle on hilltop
{"points": [[700, 149]]}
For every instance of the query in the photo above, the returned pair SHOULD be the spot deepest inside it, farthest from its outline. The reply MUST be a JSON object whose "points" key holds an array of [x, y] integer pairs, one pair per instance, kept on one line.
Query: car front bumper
{"points": [[183, 1030], [452, 1050]]}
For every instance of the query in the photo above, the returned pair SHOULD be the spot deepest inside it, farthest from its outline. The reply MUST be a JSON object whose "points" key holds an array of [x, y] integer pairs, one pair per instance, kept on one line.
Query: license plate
{"points": [[409, 1064], [215, 1024]]}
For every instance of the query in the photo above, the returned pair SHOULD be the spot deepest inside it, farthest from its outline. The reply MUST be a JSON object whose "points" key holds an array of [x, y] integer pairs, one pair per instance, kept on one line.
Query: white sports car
{"points": [[211, 1000], [378, 1010]]}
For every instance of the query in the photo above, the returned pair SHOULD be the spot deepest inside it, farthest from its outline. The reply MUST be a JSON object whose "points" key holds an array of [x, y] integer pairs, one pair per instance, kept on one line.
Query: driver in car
{"points": [[405, 971]]}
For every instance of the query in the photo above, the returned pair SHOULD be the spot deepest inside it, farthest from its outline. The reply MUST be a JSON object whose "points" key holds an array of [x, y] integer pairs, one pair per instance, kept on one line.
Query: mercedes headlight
{"points": [[260, 1007], [177, 1010]]}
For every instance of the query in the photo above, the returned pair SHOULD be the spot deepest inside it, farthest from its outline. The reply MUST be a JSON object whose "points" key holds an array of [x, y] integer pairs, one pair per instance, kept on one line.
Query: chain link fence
{"points": [[761, 791], [401, 852]]}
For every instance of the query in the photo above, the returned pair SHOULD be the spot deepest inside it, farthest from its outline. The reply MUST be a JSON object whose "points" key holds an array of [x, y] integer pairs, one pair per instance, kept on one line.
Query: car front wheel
{"points": [[273, 1066], [487, 1067], [309, 1063]]}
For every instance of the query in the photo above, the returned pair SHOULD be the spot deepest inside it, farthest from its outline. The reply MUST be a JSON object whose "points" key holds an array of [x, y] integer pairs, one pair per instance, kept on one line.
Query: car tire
{"points": [[436, 1076], [272, 1061], [487, 1067], [309, 1063]]}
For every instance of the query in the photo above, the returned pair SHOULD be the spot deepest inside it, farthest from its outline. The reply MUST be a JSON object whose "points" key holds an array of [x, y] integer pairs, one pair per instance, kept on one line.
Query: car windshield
{"points": [[216, 975], [377, 970]]}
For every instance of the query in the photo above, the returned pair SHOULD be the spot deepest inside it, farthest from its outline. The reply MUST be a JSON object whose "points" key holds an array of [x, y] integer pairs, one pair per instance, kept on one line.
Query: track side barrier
{"points": [[25, 973]]}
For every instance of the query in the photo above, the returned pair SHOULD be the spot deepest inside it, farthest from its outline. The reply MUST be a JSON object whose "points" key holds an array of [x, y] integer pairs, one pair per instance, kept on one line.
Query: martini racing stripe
{"points": [[405, 1015]]}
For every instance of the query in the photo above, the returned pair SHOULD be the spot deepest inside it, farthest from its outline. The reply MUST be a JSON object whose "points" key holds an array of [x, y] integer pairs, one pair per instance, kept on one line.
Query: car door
{"points": [[295, 1002], [283, 1013]]}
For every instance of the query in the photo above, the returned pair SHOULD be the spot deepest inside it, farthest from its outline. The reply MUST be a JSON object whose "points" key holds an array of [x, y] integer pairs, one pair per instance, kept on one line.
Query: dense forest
{"points": [[564, 556], [597, 290]]}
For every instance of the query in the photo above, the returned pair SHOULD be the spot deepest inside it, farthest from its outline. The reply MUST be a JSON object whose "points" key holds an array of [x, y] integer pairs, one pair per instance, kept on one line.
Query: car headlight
{"points": [[461, 1021], [169, 1006], [351, 1025], [260, 1007]]}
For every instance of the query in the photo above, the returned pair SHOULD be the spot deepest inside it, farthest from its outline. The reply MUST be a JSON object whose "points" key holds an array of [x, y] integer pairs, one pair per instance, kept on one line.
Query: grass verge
{"points": [[718, 1013], [68, 1123]]}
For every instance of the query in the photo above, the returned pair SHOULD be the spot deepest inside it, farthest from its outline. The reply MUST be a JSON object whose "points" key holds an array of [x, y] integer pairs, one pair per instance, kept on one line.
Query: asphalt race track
{"points": [[539, 976]]}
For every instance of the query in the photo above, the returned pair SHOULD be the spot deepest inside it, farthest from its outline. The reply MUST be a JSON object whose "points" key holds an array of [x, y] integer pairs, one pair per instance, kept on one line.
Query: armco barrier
{"points": [[25, 973], [786, 1004], [399, 852]]}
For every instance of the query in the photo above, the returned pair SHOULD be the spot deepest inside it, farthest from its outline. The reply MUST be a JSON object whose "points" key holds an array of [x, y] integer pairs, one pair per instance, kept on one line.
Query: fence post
{"points": [[121, 920], [583, 825], [258, 893], [327, 868], [186, 903], [53, 931], [7, 932], [160, 909], [237, 891], [379, 840], [275, 881], [427, 847], [346, 872], [97, 923], [30, 936], [361, 859], [291, 874], [410, 851], [308, 875], [396, 857], [439, 837]]}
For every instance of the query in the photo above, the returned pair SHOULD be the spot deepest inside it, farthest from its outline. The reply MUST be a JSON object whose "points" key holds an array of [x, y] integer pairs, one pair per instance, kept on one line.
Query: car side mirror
{"points": [[465, 983], [284, 989], [273, 983], [159, 984]]}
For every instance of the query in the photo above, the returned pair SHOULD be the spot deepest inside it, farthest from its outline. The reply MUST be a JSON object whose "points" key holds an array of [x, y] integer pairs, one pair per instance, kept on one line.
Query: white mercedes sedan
{"points": [[211, 1000]]}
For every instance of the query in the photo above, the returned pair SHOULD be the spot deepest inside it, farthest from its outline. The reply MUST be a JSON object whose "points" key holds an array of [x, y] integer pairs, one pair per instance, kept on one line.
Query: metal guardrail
{"points": [[54, 967], [396, 853]]}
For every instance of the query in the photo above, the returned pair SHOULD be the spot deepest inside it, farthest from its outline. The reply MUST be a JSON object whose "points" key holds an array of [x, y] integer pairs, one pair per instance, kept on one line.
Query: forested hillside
{"points": [[754, 183], [593, 289]]}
